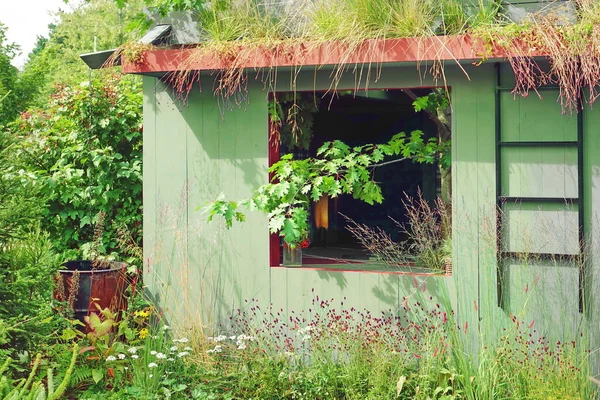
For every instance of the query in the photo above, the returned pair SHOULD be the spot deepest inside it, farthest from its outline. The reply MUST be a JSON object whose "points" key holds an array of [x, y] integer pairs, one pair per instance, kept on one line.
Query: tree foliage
{"points": [[84, 150], [26, 257], [15, 91], [337, 169], [96, 24]]}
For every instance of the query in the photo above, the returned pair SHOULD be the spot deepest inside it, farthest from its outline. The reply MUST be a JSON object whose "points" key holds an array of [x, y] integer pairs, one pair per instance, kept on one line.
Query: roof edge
{"points": [[373, 51]]}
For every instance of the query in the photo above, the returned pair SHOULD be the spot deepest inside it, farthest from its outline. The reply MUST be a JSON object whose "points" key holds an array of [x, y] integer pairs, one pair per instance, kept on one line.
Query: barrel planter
{"points": [[86, 285]]}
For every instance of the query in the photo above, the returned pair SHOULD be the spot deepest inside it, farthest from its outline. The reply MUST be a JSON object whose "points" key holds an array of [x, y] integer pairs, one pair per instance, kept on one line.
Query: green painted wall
{"points": [[196, 150]]}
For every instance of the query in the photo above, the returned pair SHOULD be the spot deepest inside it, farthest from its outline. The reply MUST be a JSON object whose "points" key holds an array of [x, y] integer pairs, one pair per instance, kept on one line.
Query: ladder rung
{"points": [[539, 144], [519, 199], [541, 256], [541, 88]]}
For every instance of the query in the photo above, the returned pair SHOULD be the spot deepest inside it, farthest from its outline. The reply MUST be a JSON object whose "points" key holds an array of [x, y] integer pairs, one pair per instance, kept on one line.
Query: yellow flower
{"points": [[143, 333], [143, 314]]}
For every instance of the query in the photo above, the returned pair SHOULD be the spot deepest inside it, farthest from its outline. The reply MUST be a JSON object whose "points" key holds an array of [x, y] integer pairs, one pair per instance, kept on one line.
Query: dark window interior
{"points": [[356, 119]]}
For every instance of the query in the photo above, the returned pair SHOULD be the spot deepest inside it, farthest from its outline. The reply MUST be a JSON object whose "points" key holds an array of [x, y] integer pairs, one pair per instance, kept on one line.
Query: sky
{"points": [[26, 19]]}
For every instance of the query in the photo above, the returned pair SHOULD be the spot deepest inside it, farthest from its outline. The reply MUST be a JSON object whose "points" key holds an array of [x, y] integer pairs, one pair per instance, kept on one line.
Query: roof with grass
{"points": [[231, 35]]}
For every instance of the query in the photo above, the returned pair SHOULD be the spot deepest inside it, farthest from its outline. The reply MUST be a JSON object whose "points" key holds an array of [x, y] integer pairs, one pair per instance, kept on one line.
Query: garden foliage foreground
{"points": [[416, 352]]}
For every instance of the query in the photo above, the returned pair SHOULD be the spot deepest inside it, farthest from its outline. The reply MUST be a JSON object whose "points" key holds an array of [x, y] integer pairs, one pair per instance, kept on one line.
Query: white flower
{"points": [[183, 354], [217, 349], [166, 327], [111, 358], [132, 350], [174, 348], [231, 337], [170, 359], [187, 348], [220, 338], [182, 340], [121, 356], [126, 368], [151, 375], [305, 338], [208, 338], [153, 352], [160, 355], [135, 356], [152, 365], [242, 346]]}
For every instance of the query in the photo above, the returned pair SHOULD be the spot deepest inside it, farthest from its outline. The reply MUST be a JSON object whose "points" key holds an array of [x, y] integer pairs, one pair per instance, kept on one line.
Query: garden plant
{"points": [[74, 158]]}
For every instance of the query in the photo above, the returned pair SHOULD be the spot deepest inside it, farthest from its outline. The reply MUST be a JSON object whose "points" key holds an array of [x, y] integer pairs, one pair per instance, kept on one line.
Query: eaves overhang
{"points": [[460, 49]]}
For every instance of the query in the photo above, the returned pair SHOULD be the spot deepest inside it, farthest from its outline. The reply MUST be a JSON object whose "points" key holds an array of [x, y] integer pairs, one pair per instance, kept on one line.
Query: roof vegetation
{"points": [[568, 33]]}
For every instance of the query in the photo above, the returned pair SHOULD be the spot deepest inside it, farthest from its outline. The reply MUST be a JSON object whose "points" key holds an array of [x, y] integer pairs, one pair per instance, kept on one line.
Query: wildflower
{"points": [[150, 376], [187, 348], [173, 348], [170, 359], [143, 333], [166, 327], [121, 356], [132, 350], [153, 352], [242, 346], [152, 365], [135, 356], [231, 338], [305, 338], [111, 358], [160, 356], [142, 314], [182, 340], [217, 349], [220, 338], [182, 354]]}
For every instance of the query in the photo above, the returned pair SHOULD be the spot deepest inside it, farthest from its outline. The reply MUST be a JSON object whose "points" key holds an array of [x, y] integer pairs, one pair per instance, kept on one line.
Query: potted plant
{"points": [[97, 282], [85, 285], [292, 253]]}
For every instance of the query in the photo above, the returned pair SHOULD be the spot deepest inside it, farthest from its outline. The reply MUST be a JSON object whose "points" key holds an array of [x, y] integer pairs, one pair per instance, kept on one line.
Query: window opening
{"points": [[357, 119]]}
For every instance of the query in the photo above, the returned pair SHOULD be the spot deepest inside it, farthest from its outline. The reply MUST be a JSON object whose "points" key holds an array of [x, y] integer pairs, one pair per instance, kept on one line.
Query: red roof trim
{"points": [[375, 51]]}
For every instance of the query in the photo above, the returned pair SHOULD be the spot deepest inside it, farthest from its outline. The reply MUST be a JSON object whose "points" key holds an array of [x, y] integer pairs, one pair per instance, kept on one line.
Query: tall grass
{"points": [[236, 31]]}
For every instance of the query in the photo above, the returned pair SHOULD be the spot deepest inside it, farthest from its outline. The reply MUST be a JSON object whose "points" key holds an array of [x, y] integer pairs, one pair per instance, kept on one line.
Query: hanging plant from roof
{"points": [[292, 117]]}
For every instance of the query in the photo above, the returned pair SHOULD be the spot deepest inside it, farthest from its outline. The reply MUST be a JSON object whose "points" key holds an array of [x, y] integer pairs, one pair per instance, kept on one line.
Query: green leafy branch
{"points": [[337, 169]]}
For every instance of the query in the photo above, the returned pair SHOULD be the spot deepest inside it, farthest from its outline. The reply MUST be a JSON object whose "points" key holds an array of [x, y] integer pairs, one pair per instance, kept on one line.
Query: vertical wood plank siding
{"points": [[196, 150]]}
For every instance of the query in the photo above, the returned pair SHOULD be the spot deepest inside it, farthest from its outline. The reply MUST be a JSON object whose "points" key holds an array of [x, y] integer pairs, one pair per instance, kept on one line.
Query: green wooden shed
{"points": [[525, 179]]}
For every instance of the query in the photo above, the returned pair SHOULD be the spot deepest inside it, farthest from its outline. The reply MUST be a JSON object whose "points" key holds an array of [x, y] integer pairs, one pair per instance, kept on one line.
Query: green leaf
{"points": [[97, 375], [290, 231], [68, 334]]}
